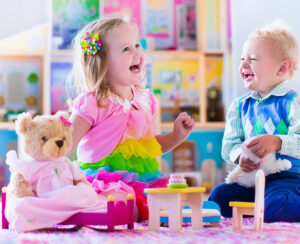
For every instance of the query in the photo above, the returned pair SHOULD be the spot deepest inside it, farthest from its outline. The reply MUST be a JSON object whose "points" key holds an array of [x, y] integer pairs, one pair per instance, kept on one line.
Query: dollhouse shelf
{"points": [[162, 53], [62, 56], [198, 125], [22, 53], [177, 54]]}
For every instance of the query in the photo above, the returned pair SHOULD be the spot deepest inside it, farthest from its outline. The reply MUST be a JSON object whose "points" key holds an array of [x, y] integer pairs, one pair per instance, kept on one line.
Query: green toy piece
{"points": [[177, 186]]}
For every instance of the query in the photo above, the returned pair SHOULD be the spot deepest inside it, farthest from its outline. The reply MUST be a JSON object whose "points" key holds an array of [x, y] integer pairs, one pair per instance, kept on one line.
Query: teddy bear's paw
{"points": [[11, 158], [11, 154], [230, 179], [286, 164], [20, 187]]}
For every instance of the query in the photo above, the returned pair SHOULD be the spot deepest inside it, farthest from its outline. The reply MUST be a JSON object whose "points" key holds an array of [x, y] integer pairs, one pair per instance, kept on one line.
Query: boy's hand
{"points": [[247, 164], [183, 126], [264, 144]]}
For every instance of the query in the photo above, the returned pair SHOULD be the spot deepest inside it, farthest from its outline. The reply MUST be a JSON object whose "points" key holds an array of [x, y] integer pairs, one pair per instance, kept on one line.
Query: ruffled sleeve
{"points": [[85, 105]]}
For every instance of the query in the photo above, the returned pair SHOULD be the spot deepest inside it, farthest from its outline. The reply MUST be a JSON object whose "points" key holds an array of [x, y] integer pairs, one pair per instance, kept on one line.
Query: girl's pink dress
{"points": [[56, 197], [121, 143]]}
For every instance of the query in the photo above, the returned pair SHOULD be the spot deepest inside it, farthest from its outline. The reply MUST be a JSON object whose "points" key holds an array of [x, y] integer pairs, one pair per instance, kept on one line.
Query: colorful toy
{"points": [[172, 200], [117, 214], [177, 181], [210, 213], [249, 208]]}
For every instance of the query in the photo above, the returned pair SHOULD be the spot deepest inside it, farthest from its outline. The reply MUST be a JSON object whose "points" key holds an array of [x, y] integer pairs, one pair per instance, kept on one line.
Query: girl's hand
{"points": [[247, 164], [264, 144], [183, 126]]}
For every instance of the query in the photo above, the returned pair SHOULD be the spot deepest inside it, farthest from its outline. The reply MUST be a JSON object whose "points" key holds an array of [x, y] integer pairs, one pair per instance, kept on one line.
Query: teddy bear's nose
{"points": [[59, 143]]}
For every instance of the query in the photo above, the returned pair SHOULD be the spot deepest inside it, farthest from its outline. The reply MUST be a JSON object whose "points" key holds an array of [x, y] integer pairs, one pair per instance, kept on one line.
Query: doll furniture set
{"points": [[169, 202]]}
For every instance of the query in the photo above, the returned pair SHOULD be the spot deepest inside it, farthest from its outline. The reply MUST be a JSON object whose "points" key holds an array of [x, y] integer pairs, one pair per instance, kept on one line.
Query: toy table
{"points": [[173, 200]]}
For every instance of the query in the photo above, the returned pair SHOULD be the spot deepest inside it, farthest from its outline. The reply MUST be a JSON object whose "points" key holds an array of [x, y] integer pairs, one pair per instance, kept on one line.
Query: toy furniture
{"points": [[208, 171], [250, 208], [183, 157], [210, 213], [193, 178], [117, 214], [173, 201]]}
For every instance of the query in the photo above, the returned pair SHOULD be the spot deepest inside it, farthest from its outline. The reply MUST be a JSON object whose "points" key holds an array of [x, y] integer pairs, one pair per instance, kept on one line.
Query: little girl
{"points": [[113, 118]]}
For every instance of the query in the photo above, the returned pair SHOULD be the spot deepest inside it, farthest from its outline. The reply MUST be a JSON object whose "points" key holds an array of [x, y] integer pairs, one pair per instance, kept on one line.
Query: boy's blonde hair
{"points": [[89, 71], [283, 42]]}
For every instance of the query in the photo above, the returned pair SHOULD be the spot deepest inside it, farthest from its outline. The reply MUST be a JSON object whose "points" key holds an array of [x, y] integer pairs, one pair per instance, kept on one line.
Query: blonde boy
{"points": [[270, 111]]}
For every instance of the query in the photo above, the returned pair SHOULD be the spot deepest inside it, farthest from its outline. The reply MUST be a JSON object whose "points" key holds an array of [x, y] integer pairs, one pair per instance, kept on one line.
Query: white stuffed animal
{"points": [[268, 164]]}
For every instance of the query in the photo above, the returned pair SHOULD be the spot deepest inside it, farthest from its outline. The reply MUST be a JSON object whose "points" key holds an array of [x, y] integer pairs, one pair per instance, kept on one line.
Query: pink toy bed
{"points": [[117, 213]]}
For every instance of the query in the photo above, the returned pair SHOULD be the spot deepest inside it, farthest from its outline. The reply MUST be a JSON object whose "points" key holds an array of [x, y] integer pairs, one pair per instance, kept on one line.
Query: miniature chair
{"points": [[249, 208], [117, 213]]}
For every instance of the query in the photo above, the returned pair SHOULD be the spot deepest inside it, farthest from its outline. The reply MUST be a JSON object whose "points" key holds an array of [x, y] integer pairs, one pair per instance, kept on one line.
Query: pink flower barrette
{"points": [[90, 44], [65, 121]]}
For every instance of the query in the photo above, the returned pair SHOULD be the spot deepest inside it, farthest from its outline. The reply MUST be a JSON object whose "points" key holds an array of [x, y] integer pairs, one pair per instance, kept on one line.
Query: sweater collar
{"points": [[280, 90]]}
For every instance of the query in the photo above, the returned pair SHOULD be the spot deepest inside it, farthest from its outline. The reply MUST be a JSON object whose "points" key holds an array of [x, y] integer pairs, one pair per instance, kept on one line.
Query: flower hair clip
{"points": [[65, 121], [90, 44]]}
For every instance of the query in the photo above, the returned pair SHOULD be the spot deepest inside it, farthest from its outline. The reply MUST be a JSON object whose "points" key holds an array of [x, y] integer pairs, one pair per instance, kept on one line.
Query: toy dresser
{"points": [[172, 200]]}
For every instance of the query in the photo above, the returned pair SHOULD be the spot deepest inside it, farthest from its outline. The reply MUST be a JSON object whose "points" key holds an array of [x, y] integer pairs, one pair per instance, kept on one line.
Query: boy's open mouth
{"points": [[248, 76]]}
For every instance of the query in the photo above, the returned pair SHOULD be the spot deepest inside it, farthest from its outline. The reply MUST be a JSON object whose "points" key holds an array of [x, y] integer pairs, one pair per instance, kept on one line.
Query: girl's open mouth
{"points": [[135, 68]]}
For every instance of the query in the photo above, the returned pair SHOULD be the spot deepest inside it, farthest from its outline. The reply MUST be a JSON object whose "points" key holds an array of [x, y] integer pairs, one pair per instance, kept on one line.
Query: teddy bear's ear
{"points": [[23, 122], [63, 117], [63, 114]]}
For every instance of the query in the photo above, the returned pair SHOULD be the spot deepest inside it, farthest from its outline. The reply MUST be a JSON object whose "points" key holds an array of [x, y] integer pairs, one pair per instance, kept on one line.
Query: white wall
{"points": [[19, 15], [248, 15]]}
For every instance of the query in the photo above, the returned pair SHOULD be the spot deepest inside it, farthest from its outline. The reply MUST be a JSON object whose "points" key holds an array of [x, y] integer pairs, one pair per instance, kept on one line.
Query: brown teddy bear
{"points": [[45, 138], [45, 186]]}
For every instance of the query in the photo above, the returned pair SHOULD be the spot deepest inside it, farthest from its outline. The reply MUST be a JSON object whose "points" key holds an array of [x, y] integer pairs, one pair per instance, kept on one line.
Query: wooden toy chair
{"points": [[251, 208]]}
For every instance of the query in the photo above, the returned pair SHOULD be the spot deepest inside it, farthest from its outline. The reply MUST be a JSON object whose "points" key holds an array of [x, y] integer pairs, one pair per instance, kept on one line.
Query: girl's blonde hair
{"points": [[283, 42], [89, 71]]}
